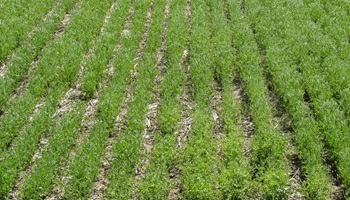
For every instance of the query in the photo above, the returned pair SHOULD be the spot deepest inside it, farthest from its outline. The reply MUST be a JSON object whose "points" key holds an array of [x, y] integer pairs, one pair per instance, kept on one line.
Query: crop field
{"points": [[174, 99]]}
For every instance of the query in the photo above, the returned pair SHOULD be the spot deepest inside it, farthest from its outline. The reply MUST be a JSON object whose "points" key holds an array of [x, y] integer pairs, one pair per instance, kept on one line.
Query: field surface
{"points": [[174, 99]]}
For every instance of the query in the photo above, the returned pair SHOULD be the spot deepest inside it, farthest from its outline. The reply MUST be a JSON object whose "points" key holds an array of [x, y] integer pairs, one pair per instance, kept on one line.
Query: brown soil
{"points": [[296, 176], [59, 31], [175, 192], [246, 121], [143, 42], [186, 118], [186, 102], [71, 96], [283, 123], [3, 68], [337, 192], [216, 106]]}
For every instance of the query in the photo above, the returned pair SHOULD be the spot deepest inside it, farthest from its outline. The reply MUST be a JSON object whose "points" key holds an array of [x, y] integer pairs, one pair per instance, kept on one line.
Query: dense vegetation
{"points": [[174, 99]]}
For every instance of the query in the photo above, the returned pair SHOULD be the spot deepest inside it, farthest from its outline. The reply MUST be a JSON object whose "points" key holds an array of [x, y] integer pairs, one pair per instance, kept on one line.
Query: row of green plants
{"points": [[20, 155], [234, 174], [293, 42], [165, 155], [28, 136], [330, 41], [200, 161], [330, 27], [128, 149], [268, 161], [61, 137], [65, 131], [18, 18], [299, 58], [335, 27], [85, 165], [332, 118], [20, 64]]}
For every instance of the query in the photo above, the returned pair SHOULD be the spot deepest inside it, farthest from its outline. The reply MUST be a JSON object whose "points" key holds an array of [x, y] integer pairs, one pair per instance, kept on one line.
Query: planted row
{"points": [[61, 140], [286, 55], [268, 158], [17, 20], [331, 118], [24, 145], [85, 165], [25, 56], [127, 150], [234, 170], [164, 156], [330, 38], [31, 50], [199, 173], [58, 68]]}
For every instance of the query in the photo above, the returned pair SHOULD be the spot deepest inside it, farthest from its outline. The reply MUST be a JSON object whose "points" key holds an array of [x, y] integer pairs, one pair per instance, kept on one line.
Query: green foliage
{"points": [[165, 155], [63, 134], [24, 55], [24, 145], [18, 18], [234, 173], [268, 159], [200, 159], [127, 152], [85, 165], [299, 49]]}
